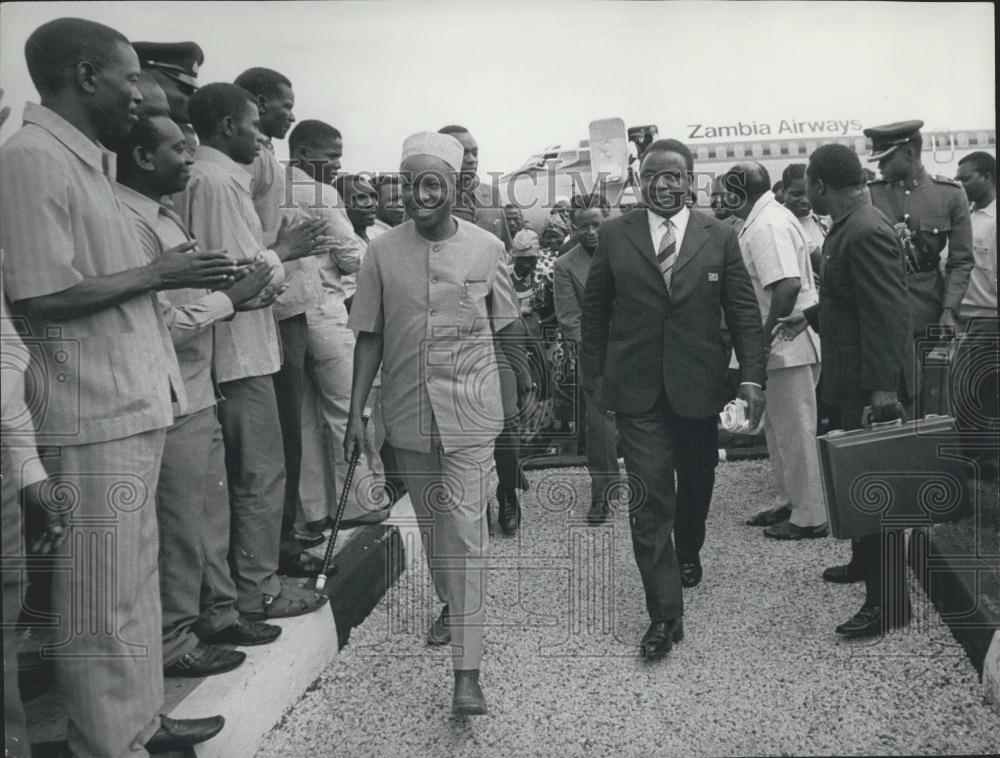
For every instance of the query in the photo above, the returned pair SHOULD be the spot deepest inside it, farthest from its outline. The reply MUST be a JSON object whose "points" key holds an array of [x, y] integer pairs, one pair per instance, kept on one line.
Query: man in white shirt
{"points": [[977, 317], [776, 256]]}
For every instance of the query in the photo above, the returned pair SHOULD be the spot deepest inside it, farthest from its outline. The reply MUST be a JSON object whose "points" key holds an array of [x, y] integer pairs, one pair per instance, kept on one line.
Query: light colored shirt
{"points": [[377, 229], [217, 209], [981, 296], [188, 313], [272, 202], [774, 248], [335, 271], [433, 303], [17, 429], [658, 226], [110, 374]]}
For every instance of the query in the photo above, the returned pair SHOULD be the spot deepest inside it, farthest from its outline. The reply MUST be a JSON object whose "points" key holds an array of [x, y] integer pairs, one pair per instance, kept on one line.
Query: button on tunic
{"points": [[432, 303]]}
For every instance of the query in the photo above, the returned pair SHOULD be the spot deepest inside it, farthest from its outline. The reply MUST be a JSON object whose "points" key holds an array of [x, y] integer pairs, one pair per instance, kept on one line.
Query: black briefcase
{"points": [[893, 475]]}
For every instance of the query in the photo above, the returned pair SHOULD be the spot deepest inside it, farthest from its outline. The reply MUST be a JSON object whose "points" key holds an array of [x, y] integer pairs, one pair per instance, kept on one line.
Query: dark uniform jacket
{"points": [[642, 339], [862, 316], [931, 211]]}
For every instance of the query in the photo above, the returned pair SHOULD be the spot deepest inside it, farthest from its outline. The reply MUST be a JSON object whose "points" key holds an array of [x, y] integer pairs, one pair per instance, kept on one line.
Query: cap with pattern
{"points": [[178, 60], [442, 146], [888, 137], [525, 244]]}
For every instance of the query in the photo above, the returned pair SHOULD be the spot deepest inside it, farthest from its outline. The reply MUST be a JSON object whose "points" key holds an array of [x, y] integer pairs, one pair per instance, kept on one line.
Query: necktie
{"points": [[667, 253]]}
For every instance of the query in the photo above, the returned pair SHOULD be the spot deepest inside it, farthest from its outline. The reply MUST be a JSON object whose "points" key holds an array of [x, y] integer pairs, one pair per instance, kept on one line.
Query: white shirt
{"points": [[658, 226], [981, 296]]}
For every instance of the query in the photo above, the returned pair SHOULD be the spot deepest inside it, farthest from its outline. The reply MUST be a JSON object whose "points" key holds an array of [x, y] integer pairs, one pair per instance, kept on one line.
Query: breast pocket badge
{"points": [[713, 276]]}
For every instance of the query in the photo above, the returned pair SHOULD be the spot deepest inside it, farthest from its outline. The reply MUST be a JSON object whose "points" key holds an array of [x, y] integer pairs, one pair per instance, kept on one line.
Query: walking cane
{"points": [[328, 567]]}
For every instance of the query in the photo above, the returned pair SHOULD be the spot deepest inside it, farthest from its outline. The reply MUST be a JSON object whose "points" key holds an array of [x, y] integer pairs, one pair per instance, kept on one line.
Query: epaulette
{"points": [[945, 180]]}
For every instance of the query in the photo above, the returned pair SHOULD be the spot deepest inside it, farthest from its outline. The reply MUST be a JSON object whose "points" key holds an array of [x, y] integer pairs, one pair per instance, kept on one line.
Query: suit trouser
{"points": [[15, 736], [448, 492], [695, 457], [976, 375], [109, 665], [650, 442], [879, 558], [602, 449], [790, 428], [328, 404], [289, 389], [507, 448], [255, 469], [192, 509]]}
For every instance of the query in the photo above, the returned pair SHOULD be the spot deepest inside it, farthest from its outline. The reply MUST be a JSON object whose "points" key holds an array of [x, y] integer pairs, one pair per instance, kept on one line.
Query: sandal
{"points": [[284, 606]]}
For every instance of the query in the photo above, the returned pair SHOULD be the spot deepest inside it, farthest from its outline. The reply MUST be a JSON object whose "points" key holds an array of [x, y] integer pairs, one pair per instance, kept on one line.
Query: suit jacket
{"points": [[863, 316], [640, 338], [569, 282]]}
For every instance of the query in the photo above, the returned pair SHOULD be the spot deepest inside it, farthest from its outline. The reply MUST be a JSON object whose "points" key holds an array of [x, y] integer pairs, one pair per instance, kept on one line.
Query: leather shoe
{"points": [[205, 660], [509, 513], [660, 638], [690, 574], [468, 699], [177, 734], [439, 634], [871, 622], [244, 633], [786, 530], [845, 574], [770, 516], [308, 539], [598, 513]]}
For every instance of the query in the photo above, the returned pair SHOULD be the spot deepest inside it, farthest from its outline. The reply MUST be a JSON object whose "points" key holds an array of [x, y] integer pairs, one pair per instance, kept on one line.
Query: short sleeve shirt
{"points": [[436, 305], [217, 209], [774, 248], [108, 375]]}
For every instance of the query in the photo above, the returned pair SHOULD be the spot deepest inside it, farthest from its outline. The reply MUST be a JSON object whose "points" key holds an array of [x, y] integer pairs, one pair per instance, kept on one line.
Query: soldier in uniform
{"points": [[174, 66], [929, 214]]}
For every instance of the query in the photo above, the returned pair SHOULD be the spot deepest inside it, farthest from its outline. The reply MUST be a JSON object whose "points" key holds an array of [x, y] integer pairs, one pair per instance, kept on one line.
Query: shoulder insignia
{"points": [[945, 180]]}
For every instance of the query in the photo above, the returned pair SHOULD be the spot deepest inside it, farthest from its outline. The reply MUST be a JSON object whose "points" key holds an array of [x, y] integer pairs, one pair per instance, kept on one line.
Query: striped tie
{"points": [[667, 253]]}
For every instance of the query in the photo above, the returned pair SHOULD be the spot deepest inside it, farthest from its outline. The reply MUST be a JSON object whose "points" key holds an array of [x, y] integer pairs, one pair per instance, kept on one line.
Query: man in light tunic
{"points": [[432, 293]]}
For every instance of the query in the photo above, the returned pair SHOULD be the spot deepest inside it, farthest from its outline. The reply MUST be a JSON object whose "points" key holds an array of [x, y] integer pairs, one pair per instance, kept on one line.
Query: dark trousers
{"points": [[695, 460], [879, 558], [976, 387], [651, 442], [289, 388]]}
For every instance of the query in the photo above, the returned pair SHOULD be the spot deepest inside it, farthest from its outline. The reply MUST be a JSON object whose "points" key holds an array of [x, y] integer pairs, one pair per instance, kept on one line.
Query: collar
{"points": [[679, 220], [223, 161], [987, 210], [144, 207], [92, 153], [758, 207], [920, 178]]}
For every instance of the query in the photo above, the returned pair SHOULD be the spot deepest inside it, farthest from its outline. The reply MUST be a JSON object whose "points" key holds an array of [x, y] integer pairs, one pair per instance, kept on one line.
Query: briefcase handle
{"points": [[867, 423]]}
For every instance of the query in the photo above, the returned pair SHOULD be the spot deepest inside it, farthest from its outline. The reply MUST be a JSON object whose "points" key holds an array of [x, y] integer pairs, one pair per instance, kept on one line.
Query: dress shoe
{"points": [[205, 660], [244, 633], [599, 512], [690, 574], [845, 574], [468, 699], [178, 734], [365, 519], [319, 526], [770, 516], [509, 513], [660, 638], [871, 622], [439, 634], [786, 530], [308, 539]]}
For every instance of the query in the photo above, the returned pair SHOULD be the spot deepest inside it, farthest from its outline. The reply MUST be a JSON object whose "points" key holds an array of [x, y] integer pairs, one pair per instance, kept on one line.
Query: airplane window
{"points": [[758, 149], [981, 138], [859, 145], [703, 153], [963, 139], [811, 146]]}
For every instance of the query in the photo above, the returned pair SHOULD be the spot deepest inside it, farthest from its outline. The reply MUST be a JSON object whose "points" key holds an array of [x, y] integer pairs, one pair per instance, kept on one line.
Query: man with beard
{"points": [[570, 283], [432, 294], [653, 353], [75, 269]]}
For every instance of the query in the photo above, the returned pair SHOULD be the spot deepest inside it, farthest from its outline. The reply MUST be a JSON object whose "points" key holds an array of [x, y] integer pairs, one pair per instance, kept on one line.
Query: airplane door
{"points": [[609, 150]]}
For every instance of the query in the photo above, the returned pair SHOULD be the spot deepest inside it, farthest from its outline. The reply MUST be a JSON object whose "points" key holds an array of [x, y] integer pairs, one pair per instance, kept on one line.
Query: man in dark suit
{"points": [[659, 283], [569, 282], [863, 319]]}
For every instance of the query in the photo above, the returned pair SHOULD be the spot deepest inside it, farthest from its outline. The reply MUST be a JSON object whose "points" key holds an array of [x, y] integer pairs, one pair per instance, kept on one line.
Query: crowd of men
{"points": [[215, 335]]}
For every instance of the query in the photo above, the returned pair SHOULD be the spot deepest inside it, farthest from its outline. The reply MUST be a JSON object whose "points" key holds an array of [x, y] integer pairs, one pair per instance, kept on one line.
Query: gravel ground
{"points": [[760, 671]]}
